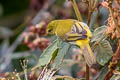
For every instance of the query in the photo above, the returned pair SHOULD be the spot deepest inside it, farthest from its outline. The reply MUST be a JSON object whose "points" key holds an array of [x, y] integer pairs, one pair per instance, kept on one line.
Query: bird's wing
{"points": [[77, 32]]}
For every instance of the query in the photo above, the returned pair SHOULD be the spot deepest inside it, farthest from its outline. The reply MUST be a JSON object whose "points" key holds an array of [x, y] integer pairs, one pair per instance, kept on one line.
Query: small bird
{"points": [[71, 30]]}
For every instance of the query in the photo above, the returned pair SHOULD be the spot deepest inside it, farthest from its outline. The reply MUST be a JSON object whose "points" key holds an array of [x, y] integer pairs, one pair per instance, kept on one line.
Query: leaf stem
{"points": [[89, 17], [87, 72]]}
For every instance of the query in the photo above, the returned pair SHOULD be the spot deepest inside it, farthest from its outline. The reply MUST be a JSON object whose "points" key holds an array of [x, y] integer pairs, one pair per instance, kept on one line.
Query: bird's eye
{"points": [[49, 30]]}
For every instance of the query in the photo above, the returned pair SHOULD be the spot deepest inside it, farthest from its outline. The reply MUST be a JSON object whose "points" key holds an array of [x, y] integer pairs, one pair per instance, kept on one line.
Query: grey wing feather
{"points": [[76, 33]]}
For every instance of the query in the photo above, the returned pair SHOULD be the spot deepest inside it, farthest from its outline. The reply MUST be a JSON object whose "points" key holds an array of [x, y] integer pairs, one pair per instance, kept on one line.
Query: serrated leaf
{"points": [[48, 54], [61, 53], [103, 52], [98, 33], [103, 72]]}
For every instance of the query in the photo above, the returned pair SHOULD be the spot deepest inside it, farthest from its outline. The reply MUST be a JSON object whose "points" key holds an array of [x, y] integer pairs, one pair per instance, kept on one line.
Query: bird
{"points": [[74, 31]]}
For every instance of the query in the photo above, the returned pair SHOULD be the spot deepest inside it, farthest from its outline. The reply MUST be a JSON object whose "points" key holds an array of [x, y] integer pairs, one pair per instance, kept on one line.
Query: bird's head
{"points": [[51, 27]]}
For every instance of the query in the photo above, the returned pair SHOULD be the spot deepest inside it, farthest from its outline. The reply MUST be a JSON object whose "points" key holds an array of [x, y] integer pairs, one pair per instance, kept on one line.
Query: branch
{"points": [[63, 77], [115, 21], [77, 12], [114, 63]]}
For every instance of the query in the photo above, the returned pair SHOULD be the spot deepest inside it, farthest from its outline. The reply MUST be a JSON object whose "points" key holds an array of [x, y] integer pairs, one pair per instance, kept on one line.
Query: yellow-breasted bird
{"points": [[71, 30]]}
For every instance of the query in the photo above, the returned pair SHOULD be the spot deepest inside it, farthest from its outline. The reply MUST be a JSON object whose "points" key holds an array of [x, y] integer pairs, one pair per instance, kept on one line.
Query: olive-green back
{"points": [[63, 26]]}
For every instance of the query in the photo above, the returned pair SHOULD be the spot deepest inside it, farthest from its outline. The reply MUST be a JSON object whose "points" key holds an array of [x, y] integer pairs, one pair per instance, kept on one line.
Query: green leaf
{"points": [[61, 53], [103, 72], [48, 54], [98, 33], [103, 52]]}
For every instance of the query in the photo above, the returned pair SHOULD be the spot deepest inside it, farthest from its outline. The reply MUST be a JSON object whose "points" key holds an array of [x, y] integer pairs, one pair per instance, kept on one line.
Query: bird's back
{"points": [[71, 29], [63, 26]]}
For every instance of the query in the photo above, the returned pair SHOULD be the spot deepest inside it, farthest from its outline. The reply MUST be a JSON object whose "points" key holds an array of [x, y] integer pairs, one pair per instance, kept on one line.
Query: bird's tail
{"points": [[88, 54]]}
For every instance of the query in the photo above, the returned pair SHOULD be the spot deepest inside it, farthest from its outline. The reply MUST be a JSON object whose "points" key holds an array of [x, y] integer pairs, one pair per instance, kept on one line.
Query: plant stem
{"points": [[25, 71], [115, 21], [89, 18], [115, 61], [18, 76], [87, 72], [77, 12]]}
